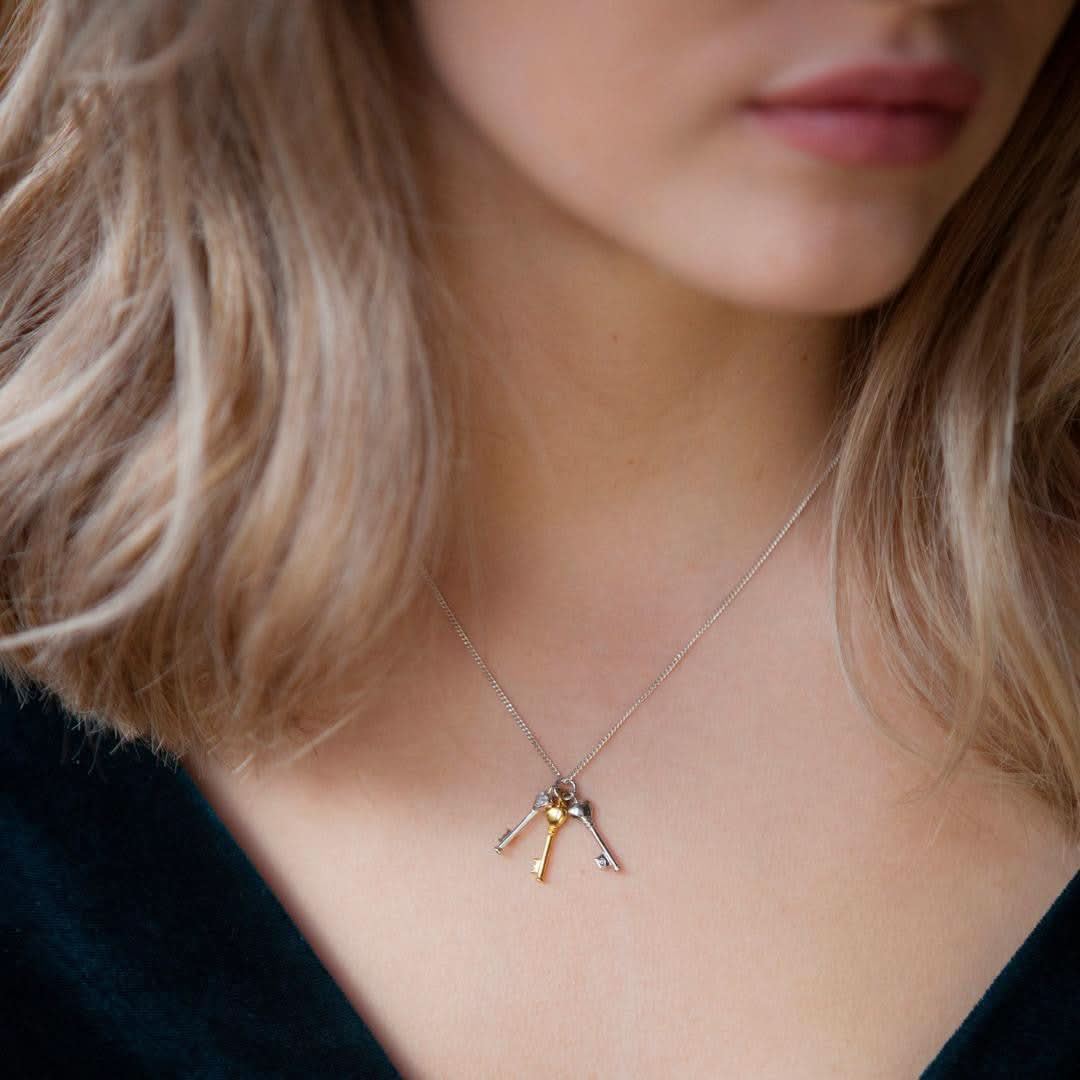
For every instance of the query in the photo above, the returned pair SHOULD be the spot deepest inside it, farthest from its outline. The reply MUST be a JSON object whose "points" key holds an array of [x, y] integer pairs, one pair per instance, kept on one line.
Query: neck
{"points": [[619, 425]]}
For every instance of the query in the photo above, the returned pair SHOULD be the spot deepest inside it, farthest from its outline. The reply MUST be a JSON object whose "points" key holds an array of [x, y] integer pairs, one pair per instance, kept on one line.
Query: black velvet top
{"points": [[138, 940]]}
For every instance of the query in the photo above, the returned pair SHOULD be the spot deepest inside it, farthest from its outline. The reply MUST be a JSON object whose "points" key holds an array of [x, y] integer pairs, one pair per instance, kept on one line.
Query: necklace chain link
{"points": [[648, 691]]}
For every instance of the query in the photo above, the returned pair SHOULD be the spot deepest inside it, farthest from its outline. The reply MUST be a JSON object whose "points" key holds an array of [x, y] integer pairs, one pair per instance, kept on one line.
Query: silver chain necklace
{"points": [[560, 801]]}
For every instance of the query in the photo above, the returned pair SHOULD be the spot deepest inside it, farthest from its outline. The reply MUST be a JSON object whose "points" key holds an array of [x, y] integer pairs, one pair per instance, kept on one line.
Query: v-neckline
{"points": [[1005, 979], [950, 1049]]}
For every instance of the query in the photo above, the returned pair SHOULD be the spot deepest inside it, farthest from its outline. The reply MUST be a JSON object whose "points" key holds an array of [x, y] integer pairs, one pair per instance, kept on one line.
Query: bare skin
{"points": [[779, 913], [637, 433]]}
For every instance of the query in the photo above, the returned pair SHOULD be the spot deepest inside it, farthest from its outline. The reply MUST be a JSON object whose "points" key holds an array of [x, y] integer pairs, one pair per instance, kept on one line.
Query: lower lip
{"points": [[862, 135]]}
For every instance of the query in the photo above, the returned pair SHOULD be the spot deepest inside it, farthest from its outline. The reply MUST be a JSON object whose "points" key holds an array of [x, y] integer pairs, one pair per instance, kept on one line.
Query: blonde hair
{"points": [[226, 421]]}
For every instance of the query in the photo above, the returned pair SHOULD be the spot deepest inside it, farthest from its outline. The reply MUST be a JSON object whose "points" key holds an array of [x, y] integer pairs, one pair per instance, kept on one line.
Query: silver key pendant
{"points": [[582, 810], [542, 801]]}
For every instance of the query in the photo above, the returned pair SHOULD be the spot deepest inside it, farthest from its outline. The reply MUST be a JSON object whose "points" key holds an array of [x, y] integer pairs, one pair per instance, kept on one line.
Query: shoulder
{"points": [[67, 801], [61, 780], [134, 934], [1024, 1024]]}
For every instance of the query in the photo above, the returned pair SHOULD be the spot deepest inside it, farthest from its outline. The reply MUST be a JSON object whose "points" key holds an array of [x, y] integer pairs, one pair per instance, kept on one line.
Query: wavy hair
{"points": [[226, 420]]}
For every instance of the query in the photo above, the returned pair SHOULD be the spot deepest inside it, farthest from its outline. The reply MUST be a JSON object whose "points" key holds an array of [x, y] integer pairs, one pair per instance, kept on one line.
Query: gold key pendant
{"points": [[556, 814]]}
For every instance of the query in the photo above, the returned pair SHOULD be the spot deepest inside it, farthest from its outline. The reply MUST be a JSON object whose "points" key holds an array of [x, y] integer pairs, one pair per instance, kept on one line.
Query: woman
{"points": [[352, 347]]}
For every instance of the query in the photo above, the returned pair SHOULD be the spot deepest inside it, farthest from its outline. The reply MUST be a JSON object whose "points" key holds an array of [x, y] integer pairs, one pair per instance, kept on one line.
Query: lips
{"points": [[886, 115]]}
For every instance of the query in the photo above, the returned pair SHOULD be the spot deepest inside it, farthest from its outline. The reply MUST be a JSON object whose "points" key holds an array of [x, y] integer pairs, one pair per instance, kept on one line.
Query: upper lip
{"points": [[947, 86]]}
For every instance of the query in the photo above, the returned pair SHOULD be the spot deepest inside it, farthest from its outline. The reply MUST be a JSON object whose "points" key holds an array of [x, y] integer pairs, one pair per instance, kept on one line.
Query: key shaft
{"points": [[583, 812], [541, 802], [556, 815]]}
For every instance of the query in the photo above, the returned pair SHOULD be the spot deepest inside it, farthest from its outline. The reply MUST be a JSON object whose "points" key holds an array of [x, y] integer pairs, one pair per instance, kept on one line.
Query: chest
{"points": [[779, 912]]}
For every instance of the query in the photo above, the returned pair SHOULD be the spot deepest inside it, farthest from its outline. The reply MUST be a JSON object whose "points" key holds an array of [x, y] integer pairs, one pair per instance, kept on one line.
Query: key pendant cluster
{"points": [[557, 803]]}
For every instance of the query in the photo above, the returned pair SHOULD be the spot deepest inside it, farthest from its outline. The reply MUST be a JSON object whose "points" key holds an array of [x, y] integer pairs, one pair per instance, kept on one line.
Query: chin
{"points": [[807, 273], [841, 287]]}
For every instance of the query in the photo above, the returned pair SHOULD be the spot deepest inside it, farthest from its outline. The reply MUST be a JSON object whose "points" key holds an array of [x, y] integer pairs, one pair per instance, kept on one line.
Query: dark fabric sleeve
{"points": [[136, 939], [1026, 1026]]}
